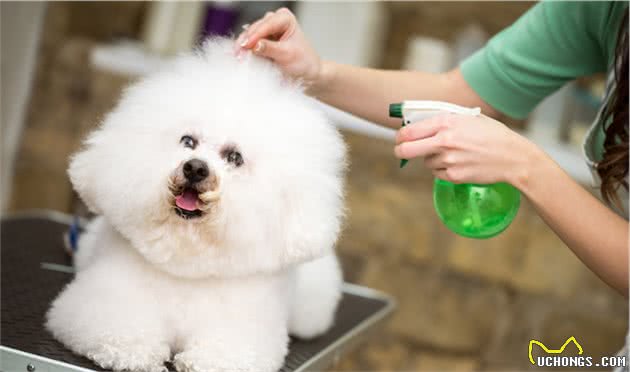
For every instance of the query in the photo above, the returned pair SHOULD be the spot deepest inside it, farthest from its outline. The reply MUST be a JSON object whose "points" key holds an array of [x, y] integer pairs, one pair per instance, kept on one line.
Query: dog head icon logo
{"points": [[553, 351]]}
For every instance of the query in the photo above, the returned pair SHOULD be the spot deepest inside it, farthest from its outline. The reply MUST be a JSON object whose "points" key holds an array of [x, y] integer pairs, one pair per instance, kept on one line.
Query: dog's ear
{"points": [[312, 227], [315, 206], [83, 172], [314, 188]]}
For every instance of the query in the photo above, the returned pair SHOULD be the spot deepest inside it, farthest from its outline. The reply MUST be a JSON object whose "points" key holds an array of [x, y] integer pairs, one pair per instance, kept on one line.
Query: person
{"points": [[551, 44]]}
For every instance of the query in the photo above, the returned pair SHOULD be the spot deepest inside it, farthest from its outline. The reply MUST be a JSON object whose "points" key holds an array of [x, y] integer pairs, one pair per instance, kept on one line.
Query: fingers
{"points": [[435, 161], [413, 149], [274, 50], [276, 24], [441, 174], [248, 28], [272, 24], [422, 138], [455, 174], [446, 159], [445, 165], [423, 129]]}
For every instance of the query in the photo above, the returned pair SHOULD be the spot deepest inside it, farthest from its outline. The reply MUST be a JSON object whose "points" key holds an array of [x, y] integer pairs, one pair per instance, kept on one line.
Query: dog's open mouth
{"points": [[186, 204]]}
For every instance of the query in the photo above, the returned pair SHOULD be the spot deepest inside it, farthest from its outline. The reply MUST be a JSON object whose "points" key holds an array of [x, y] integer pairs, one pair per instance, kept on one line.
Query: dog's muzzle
{"points": [[195, 188]]}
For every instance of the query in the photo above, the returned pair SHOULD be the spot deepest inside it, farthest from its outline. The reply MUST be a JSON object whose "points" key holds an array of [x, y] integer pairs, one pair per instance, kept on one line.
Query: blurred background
{"points": [[462, 304]]}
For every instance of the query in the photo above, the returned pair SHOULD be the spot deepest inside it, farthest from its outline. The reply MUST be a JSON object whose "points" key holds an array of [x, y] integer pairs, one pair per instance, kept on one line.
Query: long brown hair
{"points": [[613, 168]]}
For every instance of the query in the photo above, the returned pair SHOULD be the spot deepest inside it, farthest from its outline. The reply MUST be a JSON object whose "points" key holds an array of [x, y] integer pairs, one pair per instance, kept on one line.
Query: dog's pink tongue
{"points": [[187, 200]]}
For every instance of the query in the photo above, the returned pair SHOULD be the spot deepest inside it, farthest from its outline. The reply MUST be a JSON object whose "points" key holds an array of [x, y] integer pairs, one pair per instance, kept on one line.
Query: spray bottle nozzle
{"points": [[395, 110]]}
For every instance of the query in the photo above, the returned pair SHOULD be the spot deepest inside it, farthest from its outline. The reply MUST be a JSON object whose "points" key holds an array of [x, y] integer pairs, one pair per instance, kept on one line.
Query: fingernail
{"points": [[259, 47], [245, 26], [244, 42]]}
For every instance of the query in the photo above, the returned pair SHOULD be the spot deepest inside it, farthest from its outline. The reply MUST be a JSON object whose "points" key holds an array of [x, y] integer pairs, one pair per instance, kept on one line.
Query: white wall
{"points": [[20, 26], [345, 32]]}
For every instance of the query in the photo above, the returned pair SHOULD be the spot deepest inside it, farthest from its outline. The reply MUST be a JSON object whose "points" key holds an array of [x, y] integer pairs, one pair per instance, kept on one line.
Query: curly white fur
{"points": [[220, 292]]}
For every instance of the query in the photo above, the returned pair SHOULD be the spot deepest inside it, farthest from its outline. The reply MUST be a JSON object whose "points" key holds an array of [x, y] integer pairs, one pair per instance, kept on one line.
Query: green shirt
{"points": [[551, 44]]}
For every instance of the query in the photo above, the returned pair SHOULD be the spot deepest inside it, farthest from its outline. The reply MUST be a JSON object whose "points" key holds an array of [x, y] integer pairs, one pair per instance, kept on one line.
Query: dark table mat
{"points": [[27, 291]]}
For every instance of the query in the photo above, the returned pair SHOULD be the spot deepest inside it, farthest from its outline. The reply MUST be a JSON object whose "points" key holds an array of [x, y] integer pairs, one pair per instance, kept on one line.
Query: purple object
{"points": [[220, 19]]}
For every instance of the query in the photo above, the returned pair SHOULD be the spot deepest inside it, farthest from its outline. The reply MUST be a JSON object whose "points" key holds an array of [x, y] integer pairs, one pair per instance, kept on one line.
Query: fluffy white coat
{"points": [[220, 292]]}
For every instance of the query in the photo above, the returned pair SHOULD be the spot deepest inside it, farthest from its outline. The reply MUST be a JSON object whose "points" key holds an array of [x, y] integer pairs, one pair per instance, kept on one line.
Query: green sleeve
{"points": [[551, 44]]}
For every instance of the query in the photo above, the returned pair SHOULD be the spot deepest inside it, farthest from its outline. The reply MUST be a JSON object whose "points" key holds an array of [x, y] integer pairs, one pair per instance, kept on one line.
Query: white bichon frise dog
{"points": [[219, 187]]}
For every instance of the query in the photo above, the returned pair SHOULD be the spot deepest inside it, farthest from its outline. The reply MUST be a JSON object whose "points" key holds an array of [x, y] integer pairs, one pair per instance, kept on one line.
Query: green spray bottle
{"points": [[471, 210]]}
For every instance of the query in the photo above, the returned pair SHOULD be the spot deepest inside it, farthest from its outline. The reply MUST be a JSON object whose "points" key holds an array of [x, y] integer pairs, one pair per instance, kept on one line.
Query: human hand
{"points": [[468, 149], [278, 36]]}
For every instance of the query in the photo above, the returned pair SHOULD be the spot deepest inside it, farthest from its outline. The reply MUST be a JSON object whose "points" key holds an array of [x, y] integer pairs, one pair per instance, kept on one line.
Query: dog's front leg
{"points": [[249, 345], [240, 328], [105, 317]]}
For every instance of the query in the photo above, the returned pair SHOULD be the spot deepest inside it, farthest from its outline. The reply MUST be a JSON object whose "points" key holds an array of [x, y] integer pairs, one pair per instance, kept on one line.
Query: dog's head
{"points": [[216, 166]]}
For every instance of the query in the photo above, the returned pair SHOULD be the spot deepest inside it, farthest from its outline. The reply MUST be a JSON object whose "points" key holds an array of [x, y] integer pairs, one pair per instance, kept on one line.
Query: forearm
{"points": [[367, 93], [597, 236]]}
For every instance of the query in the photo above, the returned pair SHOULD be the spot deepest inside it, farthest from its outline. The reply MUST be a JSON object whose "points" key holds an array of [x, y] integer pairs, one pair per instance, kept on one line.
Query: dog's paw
{"points": [[199, 360], [190, 361], [317, 294], [137, 357], [195, 361]]}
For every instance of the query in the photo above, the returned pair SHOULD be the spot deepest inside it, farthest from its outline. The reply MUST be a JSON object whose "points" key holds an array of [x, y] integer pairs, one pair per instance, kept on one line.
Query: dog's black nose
{"points": [[195, 170]]}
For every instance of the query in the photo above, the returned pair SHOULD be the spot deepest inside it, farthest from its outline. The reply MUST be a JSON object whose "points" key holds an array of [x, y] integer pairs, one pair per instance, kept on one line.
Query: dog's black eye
{"points": [[232, 156], [235, 158], [188, 141]]}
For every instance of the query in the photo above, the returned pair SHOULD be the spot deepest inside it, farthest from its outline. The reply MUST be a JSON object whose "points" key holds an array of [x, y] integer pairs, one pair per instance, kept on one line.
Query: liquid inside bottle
{"points": [[476, 211]]}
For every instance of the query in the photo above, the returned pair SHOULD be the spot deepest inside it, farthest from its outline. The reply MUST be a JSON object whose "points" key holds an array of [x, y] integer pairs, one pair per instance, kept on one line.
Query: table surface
{"points": [[35, 268]]}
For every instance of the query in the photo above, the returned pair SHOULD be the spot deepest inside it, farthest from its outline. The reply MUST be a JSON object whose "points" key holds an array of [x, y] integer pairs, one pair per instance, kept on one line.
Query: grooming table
{"points": [[35, 268]]}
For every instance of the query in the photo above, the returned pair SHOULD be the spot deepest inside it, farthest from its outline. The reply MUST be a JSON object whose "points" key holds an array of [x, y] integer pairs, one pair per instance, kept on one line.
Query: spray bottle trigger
{"points": [[403, 162]]}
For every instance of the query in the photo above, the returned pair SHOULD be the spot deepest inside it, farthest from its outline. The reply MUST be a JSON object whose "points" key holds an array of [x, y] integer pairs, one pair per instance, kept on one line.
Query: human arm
{"points": [[595, 234], [364, 92], [482, 150], [368, 92], [554, 43]]}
